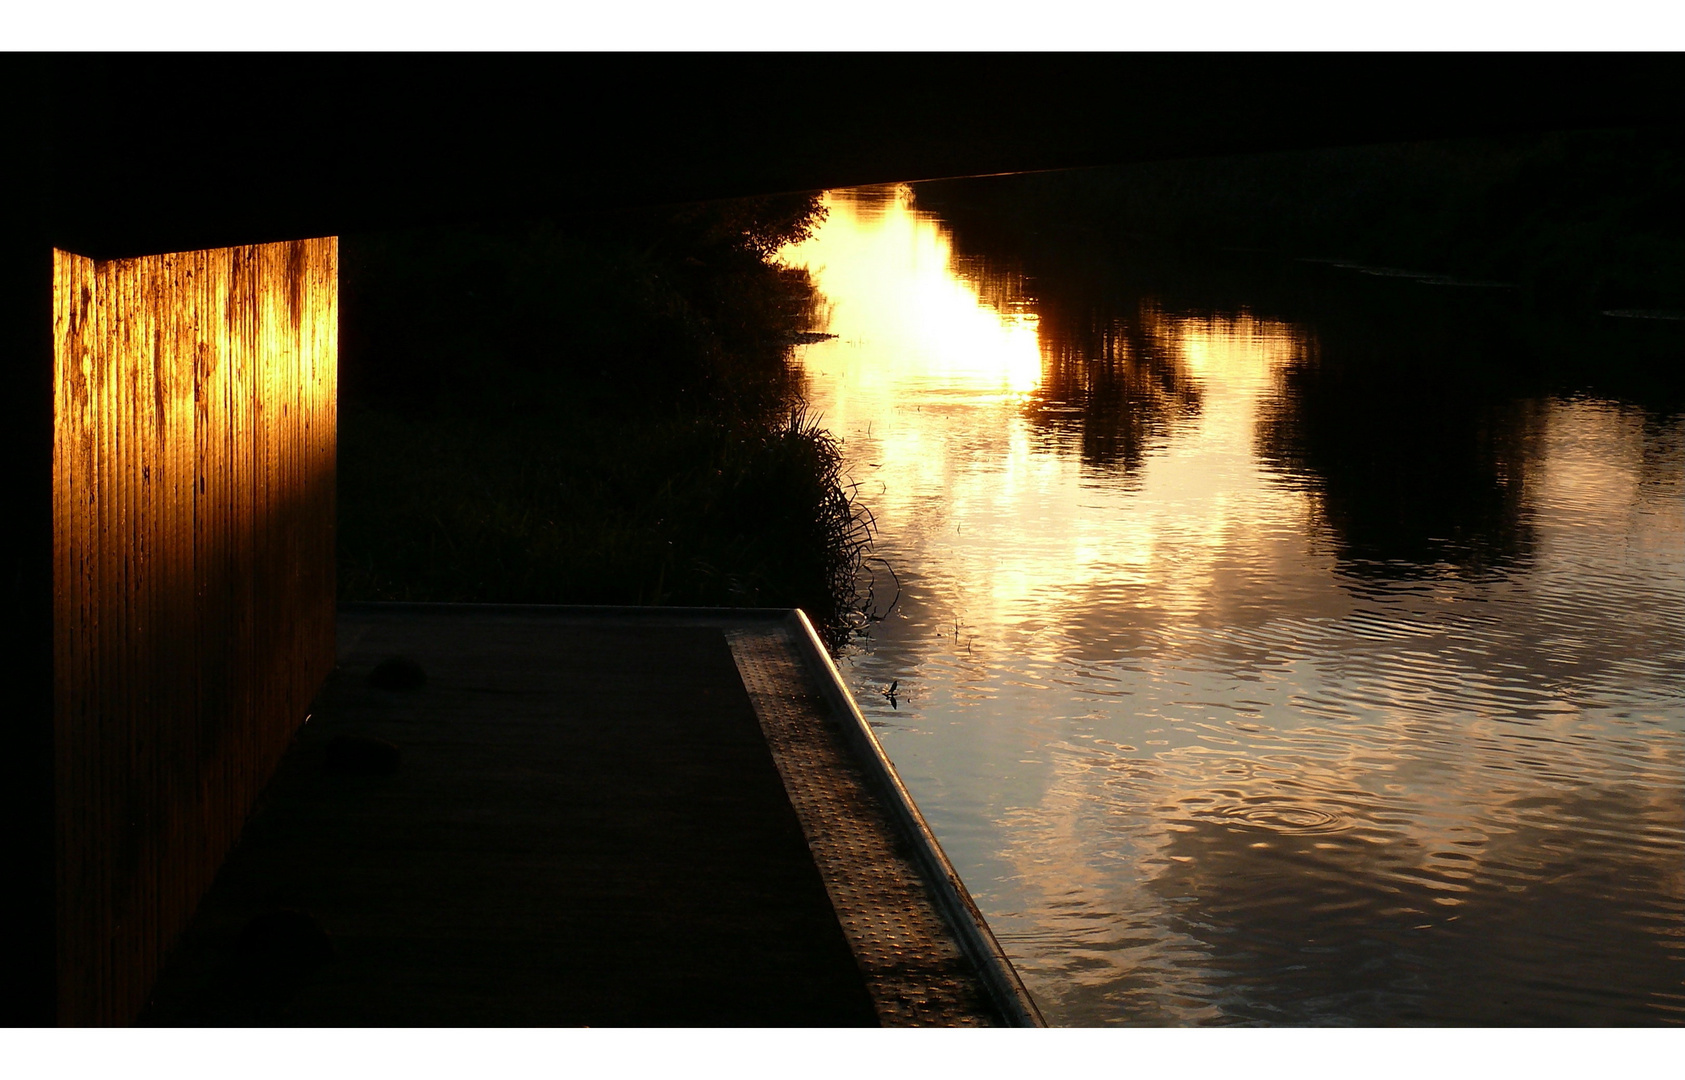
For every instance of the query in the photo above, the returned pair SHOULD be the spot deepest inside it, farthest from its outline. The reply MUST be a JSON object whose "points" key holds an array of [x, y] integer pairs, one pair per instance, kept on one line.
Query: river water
{"points": [[1264, 653]]}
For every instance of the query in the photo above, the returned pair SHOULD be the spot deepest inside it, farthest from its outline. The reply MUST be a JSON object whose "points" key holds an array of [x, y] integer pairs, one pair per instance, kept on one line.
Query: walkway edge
{"points": [[954, 903], [961, 912]]}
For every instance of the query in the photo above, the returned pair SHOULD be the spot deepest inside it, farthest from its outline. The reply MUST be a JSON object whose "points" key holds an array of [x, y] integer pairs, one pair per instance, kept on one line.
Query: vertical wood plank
{"points": [[192, 472]]}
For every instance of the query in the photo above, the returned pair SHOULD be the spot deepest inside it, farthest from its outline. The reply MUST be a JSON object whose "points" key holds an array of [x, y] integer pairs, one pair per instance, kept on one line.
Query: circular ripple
{"points": [[1280, 818]]}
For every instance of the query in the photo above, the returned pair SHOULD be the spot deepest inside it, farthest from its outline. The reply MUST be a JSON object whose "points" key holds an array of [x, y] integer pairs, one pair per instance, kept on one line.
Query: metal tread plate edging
{"points": [[960, 910]]}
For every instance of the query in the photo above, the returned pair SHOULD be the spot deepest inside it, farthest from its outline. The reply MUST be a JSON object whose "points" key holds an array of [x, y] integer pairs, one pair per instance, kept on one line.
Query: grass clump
{"points": [[590, 413]]}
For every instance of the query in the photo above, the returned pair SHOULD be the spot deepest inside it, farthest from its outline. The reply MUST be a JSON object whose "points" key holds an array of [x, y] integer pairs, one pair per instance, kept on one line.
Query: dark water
{"points": [[1301, 647]]}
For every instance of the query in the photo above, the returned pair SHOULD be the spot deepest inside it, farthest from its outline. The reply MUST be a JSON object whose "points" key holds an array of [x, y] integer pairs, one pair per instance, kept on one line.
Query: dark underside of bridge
{"points": [[119, 155], [150, 153]]}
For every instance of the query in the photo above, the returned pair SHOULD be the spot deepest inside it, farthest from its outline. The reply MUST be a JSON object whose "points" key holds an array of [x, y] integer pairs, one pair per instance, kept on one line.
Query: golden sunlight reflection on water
{"points": [[1194, 768], [887, 278]]}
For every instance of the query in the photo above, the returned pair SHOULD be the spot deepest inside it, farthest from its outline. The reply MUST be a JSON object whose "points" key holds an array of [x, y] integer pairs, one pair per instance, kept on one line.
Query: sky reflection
{"points": [[1208, 741]]}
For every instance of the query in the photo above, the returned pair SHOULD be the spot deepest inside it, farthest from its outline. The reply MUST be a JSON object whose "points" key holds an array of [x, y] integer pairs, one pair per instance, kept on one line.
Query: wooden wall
{"points": [[193, 580]]}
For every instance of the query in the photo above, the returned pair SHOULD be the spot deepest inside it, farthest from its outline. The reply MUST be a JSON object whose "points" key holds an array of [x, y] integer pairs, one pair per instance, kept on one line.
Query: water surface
{"points": [[1260, 659]]}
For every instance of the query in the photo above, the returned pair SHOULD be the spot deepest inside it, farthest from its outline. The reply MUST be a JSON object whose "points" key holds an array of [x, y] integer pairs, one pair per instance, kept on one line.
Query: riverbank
{"points": [[589, 412], [1585, 221]]}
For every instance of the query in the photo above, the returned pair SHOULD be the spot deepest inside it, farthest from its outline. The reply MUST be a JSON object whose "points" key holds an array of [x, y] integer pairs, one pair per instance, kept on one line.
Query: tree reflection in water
{"points": [[1115, 383], [1415, 460]]}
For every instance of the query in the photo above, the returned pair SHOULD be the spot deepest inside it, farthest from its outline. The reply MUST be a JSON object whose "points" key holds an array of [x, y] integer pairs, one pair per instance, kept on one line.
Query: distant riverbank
{"points": [[1587, 221]]}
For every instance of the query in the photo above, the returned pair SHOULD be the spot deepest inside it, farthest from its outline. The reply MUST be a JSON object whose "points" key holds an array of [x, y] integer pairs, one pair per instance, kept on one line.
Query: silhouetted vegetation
{"points": [[598, 411]]}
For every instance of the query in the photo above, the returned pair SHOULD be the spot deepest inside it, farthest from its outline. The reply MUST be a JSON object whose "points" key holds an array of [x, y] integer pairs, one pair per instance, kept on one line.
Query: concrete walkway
{"points": [[581, 817]]}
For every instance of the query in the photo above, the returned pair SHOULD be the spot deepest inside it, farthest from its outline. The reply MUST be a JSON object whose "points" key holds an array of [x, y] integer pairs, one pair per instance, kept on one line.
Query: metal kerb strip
{"points": [[961, 911]]}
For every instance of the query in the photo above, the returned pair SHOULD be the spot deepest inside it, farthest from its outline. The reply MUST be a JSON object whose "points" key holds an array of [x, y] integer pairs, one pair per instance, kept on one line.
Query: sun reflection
{"points": [[887, 274], [945, 403]]}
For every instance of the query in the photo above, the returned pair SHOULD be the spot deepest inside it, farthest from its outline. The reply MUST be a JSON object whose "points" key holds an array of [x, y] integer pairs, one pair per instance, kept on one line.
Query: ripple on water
{"points": [[1201, 768], [1280, 817]]}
